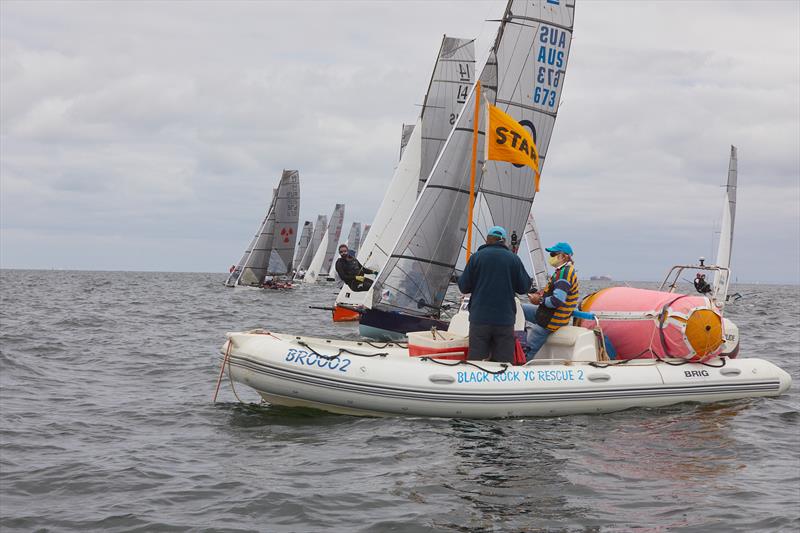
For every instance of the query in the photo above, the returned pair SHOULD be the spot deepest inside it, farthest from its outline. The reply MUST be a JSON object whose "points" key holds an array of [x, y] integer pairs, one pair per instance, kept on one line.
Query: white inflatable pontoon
{"points": [[566, 377]]}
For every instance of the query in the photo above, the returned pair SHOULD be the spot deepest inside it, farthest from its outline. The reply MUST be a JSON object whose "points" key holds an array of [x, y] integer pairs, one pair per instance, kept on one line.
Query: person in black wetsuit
{"points": [[701, 284], [351, 271]]}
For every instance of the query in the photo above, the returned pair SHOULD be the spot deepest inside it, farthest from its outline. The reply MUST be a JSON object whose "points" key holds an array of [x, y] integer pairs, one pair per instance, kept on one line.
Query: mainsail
{"points": [[234, 276], [354, 237], [302, 243], [320, 265], [255, 266], [405, 135], [725, 246], [451, 81], [536, 252], [316, 238], [334, 232], [287, 209], [524, 76], [452, 76]]}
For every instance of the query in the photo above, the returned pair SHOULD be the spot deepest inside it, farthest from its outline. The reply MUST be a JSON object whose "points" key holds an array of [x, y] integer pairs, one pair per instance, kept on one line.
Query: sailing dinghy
{"points": [[524, 77], [267, 261], [420, 145]]}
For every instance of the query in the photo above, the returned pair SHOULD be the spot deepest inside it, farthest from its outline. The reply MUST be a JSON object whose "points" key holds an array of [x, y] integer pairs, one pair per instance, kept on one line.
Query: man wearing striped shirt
{"points": [[553, 306]]}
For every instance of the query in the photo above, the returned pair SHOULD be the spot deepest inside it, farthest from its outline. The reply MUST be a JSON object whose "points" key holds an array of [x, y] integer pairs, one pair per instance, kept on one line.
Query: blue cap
{"points": [[497, 231], [562, 247]]}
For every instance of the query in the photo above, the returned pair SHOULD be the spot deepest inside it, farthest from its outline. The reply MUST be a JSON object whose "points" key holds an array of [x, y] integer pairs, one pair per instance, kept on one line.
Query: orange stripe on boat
{"points": [[343, 314]]}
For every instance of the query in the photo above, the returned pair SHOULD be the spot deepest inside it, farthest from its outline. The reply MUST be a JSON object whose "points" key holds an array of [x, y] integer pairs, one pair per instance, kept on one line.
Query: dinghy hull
{"points": [[382, 380], [391, 326]]}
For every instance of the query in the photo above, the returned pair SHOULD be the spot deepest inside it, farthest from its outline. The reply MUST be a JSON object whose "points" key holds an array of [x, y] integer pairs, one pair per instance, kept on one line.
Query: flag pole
{"points": [[474, 164]]}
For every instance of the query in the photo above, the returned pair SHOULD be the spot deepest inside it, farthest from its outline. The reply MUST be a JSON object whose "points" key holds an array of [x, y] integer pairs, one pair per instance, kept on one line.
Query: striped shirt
{"points": [[561, 294]]}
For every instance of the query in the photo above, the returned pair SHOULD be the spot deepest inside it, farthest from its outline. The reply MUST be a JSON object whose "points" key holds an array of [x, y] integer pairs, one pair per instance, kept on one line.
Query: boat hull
{"points": [[384, 381], [344, 314], [389, 326]]}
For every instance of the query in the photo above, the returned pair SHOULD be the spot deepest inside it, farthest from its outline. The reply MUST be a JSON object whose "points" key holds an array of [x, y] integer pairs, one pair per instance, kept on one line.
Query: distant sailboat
{"points": [[302, 243], [313, 245], [323, 258], [725, 247], [354, 237], [536, 252], [267, 256]]}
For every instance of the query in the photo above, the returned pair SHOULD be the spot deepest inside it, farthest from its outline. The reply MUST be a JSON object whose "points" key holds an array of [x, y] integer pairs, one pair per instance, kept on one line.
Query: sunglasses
{"points": [[553, 254], [342, 252]]}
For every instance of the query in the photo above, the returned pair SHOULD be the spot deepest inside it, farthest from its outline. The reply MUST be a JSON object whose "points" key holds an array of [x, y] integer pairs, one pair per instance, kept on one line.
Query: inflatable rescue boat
{"points": [[570, 375]]}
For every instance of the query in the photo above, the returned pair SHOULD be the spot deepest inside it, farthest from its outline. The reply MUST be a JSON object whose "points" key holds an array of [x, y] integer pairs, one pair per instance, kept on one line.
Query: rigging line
{"points": [[448, 188], [467, 130], [490, 192], [540, 22], [421, 260], [455, 82], [456, 61]]}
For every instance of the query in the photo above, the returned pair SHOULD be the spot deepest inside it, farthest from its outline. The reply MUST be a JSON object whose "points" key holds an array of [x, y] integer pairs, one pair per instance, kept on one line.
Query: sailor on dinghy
{"points": [[351, 271]]}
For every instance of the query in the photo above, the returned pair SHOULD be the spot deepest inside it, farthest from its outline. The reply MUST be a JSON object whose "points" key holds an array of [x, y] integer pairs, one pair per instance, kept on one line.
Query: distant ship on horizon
{"points": [[600, 278]]}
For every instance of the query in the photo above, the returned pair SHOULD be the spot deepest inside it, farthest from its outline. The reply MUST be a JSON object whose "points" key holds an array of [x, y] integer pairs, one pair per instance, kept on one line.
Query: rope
{"points": [[399, 344], [659, 359], [226, 360], [467, 363], [340, 352], [230, 378], [222, 370]]}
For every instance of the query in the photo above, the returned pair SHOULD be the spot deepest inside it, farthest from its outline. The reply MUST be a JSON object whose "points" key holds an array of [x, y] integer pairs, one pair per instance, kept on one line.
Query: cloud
{"points": [[160, 123]]}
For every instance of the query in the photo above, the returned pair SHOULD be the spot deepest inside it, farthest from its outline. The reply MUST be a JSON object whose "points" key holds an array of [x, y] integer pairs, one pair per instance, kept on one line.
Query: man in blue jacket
{"points": [[494, 274]]}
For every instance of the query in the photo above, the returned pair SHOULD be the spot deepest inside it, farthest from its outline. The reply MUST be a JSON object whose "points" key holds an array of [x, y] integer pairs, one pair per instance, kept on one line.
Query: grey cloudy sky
{"points": [[149, 135]]}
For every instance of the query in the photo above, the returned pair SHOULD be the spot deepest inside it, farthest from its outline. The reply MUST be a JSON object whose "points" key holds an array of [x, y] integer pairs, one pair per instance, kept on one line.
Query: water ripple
{"points": [[107, 424]]}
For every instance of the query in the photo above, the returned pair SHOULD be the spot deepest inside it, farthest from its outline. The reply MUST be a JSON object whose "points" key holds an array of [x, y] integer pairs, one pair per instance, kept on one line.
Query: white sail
{"points": [[316, 238], [405, 135], [524, 76], [453, 69], [334, 232], [302, 243], [395, 206], [314, 271], [536, 252], [287, 210], [721, 277], [323, 258]]}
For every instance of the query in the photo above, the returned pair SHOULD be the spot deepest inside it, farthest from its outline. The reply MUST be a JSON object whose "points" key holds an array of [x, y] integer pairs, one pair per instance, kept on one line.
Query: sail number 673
{"points": [[544, 96]]}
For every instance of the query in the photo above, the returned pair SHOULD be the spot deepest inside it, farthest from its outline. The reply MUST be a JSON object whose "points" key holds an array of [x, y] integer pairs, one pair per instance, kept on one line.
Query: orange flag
{"points": [[507, 140]]}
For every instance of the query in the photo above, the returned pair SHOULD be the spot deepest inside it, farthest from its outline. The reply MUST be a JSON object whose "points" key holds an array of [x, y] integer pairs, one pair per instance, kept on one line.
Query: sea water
{"points": [[108, 425]]}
